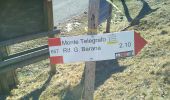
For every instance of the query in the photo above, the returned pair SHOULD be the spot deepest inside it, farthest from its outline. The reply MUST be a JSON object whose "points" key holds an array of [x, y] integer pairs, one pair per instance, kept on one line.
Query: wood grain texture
{"points": [[21, 17], [90, 67], [109, 19], [48, 11], [9, 79], [17, 19]]}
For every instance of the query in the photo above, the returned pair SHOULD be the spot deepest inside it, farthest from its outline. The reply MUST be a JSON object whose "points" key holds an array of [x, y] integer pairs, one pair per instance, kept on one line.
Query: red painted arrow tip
{"points": [[139, 42]]}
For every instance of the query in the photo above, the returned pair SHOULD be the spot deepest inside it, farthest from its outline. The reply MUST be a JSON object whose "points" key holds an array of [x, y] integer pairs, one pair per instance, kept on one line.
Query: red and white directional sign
{"points": [[95, 47]]}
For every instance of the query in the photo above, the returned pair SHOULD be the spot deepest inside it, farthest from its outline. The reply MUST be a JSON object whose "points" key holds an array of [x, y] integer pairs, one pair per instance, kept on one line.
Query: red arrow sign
{"points": [[139, 42], [95, 47]]}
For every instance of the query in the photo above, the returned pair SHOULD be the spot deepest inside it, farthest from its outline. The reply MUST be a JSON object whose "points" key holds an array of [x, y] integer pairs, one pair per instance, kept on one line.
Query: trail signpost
{"points": [[95, 47], [92, 47]]}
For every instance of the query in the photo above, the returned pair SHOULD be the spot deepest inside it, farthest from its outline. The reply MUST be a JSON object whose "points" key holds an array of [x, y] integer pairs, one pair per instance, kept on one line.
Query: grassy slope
{"points": [[145, 76]]}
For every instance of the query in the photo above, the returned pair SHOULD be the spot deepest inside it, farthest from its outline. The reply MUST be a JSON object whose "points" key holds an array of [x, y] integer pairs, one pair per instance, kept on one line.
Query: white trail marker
{"points": [[95, 47]]}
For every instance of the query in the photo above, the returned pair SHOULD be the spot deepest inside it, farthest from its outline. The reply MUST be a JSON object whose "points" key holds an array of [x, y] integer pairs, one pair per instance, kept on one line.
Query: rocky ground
{"points": [[143, 77]]}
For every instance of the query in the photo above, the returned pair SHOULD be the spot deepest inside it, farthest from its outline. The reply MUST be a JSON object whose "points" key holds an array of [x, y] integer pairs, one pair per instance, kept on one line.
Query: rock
{"points": [[85, 12], [163, 32]]}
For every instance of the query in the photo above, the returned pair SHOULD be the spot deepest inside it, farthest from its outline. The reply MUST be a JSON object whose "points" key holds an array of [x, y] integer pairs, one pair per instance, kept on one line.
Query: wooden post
{"points": [[49, 16], [90, 67], [109, 19], [9, 79]]}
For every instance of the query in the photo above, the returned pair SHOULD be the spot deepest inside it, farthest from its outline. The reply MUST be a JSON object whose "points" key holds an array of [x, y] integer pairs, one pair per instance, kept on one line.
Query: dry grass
{"points": [[143, 77]]}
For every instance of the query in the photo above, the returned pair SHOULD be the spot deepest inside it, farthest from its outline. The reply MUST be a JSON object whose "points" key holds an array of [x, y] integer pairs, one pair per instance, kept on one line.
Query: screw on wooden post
{"points": [[90, 67], [50, 23], [9, 79], [109, 19]]}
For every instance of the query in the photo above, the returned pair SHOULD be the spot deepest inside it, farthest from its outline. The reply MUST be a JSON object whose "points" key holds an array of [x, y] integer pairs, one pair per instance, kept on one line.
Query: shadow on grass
{"points": [[3, 97], [104, 70], [34, 95], [146, 10], [126, 11]]}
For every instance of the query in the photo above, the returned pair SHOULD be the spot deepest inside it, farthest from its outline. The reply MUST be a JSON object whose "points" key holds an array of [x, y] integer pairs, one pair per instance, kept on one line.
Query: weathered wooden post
{"points": [[9, 79], [109, 19], [91, 66], [50, 23]]}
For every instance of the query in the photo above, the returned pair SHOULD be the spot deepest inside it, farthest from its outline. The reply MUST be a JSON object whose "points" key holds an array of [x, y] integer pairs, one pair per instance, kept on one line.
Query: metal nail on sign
{"points": [[95, 47]]}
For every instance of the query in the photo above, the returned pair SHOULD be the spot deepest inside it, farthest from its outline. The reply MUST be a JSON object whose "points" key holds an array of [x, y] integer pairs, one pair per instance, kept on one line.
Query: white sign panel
{"points": [[91, 47]]}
